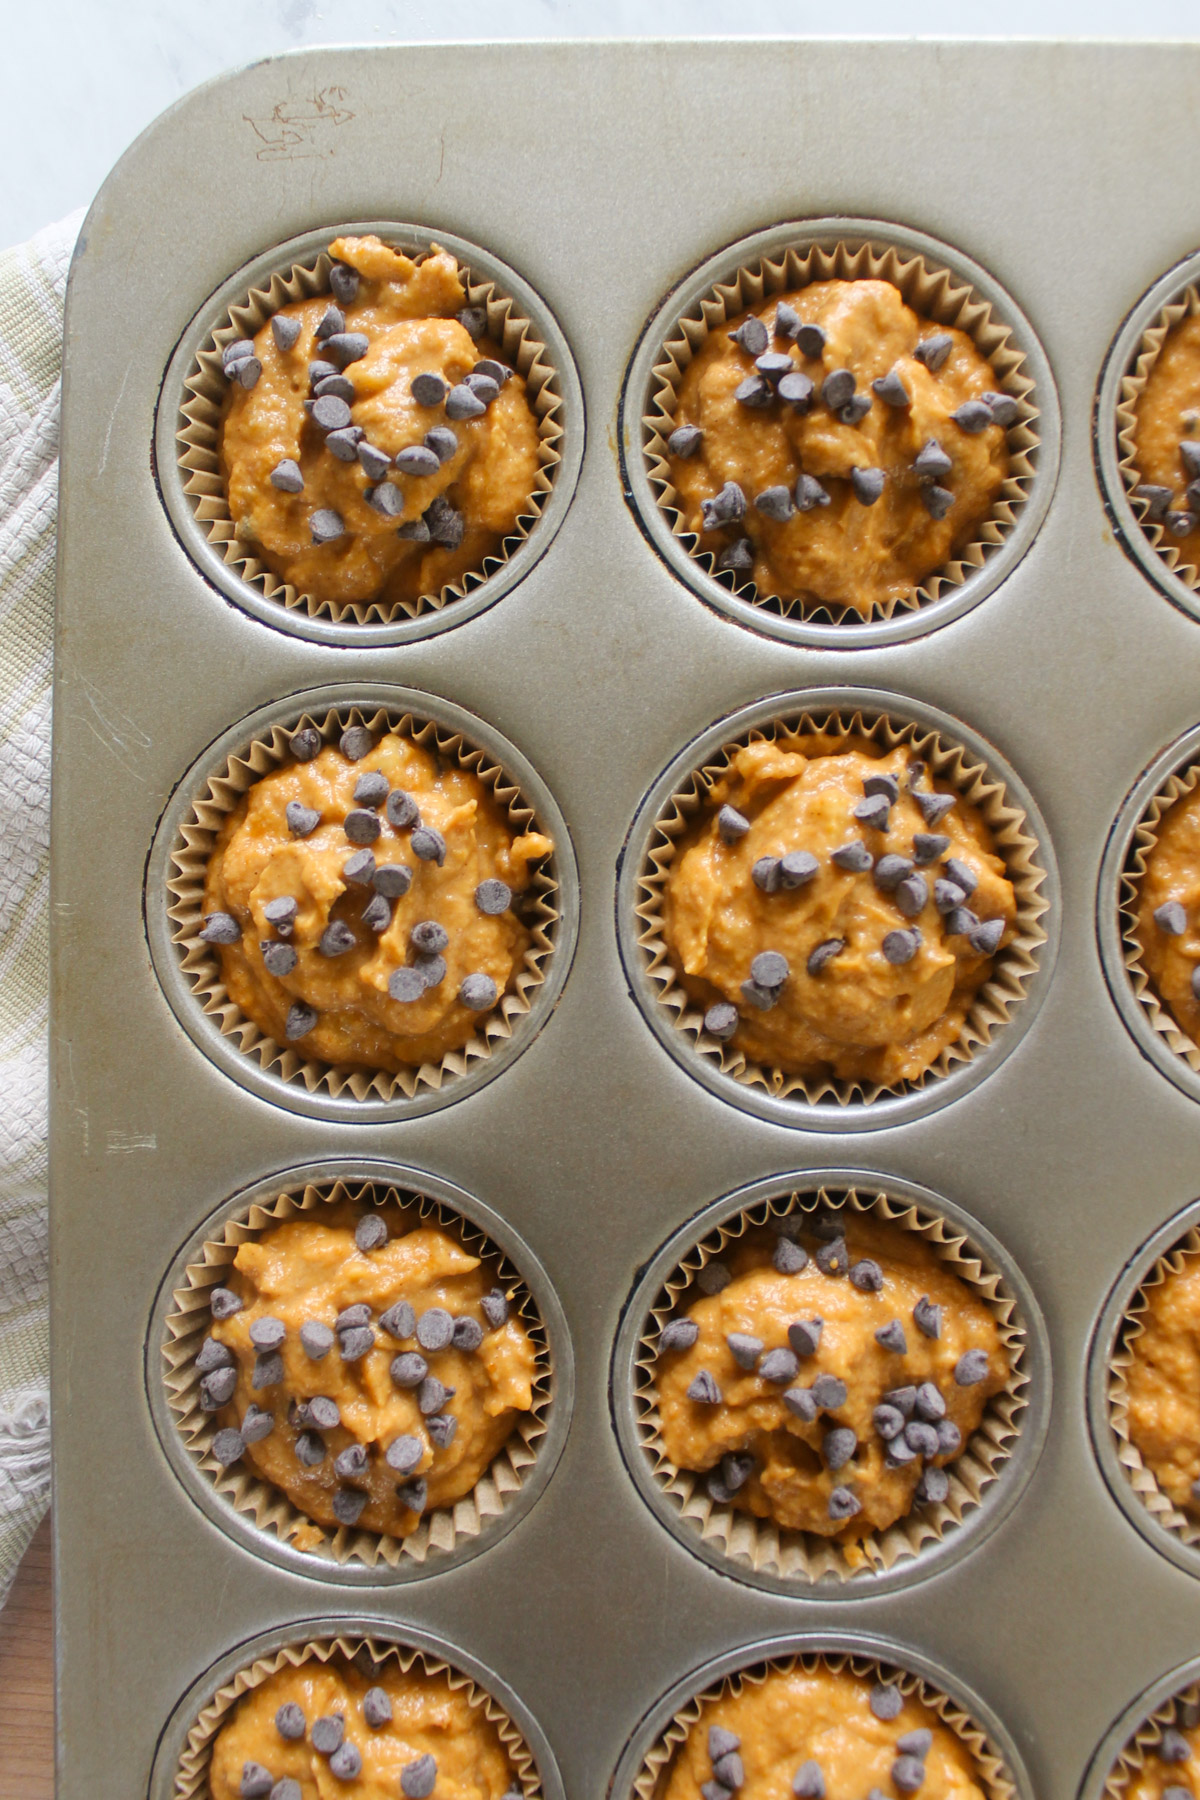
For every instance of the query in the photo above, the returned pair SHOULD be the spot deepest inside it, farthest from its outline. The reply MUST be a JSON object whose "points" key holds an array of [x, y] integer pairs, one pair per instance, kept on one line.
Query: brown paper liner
{"points": [[651, 1780], [185, 886], [372, 1655], [761, 1544], [1181, 1712], [197, 438], [267, 1506], [1141, 1479], [933, 293], [1133, 384], [1182, 782], [1013, 967]]}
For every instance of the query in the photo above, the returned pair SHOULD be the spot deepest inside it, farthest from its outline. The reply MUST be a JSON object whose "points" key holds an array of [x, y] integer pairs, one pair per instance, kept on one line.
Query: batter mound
{"points": [[1167, 440], [366, 1365], [375, 446], [825, 1733], [834, 447], [1163, 1383], [360, 901], [324, 1728], [826, 1378], [835, 910], [1167, 913]]}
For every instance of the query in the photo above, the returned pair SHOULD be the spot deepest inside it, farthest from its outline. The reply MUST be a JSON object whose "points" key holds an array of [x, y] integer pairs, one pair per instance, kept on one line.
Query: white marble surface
{"points": [[83, 77]]}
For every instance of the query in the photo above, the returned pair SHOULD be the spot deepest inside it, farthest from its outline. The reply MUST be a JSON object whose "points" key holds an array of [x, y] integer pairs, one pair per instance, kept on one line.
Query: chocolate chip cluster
{"points": [[1159, 509]]}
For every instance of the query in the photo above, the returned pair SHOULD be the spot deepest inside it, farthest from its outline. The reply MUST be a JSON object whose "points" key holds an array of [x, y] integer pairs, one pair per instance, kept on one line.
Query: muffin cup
{"points": [[1142, 1481], [373, 1656], [187, 859], [266, 1507], [1180, 1710], [1024, 852], [1131, 386], [794, 1557], [998, 1783], [936, 293], [197, 433], [1160, 1021]]}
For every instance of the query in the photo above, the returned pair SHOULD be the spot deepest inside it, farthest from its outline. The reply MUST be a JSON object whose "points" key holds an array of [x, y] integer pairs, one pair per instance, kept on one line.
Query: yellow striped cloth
{"points": [[33, 280]]}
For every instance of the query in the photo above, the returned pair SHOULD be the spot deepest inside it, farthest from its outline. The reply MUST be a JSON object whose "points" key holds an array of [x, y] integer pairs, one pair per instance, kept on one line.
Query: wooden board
{"points": [[27, 1679]]}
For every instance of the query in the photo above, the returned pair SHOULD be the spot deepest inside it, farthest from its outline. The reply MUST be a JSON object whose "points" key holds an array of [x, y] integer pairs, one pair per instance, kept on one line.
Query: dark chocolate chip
{"points": [[723, 1483], [348, 1505], [911, 895], [1170, 918], [468, 1334], [1174, 1747], [947, 896], [929, 1404], [804, 1335], [287, 476], [843, 1504], [765, 874], [359, 869], [310, 1449], [336, 939], [418, 459], [316, 1339], [921, 1438], [751, 336], [290, 1722], [428, 388], [891, 390], [685, 440], [928, 846], [713, 1277], [853, 856], [474, 321], [853, 413], [887, 1420], [406, 985], [462, 403], [932, 462], [1157, 502], [904, 1399], [478, 992], [984, 938], [797, 868], [304, 746], [808, 1783], [971, 1368], [446, 525], [494, 1307], [340, 386], [346, 347], [937, 501], [267, 1333], [268, 1370], [417, 1778], [385, 499], [301, 820], [677, 1334], [787, 321], [370, 1233], [325, 525], [837, 389], [832, 1258], [796, 390], [838, 1446], [256, 1782], [442, 1428], [704, 1390], [392, 881], [431, 969], [482, 386], [409, 1369], [1003, 408], [220, 928], [344, 444], [356, 1343], [432, 1396], [867, 484], [829, 1392], [278, 959], [399, 1321], [351, 1463], [873, 812], [810, 340], [934, 807], [891, 1337], [932, 1488], [346, 1762], [890, 871], [800, 1402], [775, 502], [769, 969], [435, 1329], [933, 351], [428, 937], [928, 1319], [493, 897], [729, 1771], [738, 557], [731, 824], [1181, 524], [744, 1349], [377, 1708], [973, 416], [300, 1021], [725, 508], [824, 954], [908, 1773], [886, 1702], [324, 1412], [227, 1447], [285, 330], [332, 320], [773, 365], [223, 1303], [867, 1276], [429, 845], [414, 530], [810, 493], [404, 1453]]}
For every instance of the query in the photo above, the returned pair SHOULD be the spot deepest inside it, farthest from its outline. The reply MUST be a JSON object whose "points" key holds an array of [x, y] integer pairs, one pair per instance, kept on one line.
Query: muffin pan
{"points": [[597, 667]]}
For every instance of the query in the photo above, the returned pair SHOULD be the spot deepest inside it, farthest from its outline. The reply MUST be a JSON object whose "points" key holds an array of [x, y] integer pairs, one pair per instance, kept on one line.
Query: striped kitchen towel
{"points": [[33, 282]]}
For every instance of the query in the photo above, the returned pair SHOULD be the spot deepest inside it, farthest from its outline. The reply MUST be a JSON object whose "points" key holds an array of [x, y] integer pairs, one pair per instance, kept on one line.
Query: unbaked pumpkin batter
{"points": [[1163, 1384], [832, 541], [883, 1004], [1167, 913], [269, 1737], [824, 1732], [1167, 439], [805, 1389], [405, 312], [452, 1405], [336, 998]]}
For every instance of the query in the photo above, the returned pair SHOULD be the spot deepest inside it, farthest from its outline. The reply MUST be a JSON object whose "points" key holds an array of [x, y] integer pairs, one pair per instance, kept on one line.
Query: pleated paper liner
{"points": [[933, 293], [1181, 1713], [1176, 786], [1141, 1479], [995, 1779], [537, 907], [267, 1506], [372, 1656], [994, 1003], [761, 1544], [1133, 384], [205, 388]]}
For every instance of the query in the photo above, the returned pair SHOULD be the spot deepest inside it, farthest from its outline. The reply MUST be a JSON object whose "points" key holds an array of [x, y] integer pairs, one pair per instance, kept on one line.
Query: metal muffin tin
{"points": [[604, 173]]}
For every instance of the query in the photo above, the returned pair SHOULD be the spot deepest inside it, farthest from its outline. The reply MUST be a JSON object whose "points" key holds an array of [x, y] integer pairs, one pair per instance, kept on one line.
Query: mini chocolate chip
{"points": [[829, 1392], [343, 283], [348, 1505], [916, 1743], [1180, 524], [973, 416], [446, 525], [431, 969], [932, 1488], [984, 938], [853, 413], [934, 807], [899, 947], [933, 351], [866, 1275], [723, 1483], [406, 985], [404, 1453], [890, 871], [685, 440], [788, 1258], [744, 1349], [256, 1782], [837, 389], [442, 441], [290, 1722], [220, 928], [937, 501], [468, 1334], [960, 922], [775, 502], [359, 869], [415, 530], [300, 1021], [336, 939], [310, 1449], [738, 556], [358, 1314], [796, 390], [804, 1335], [418, 459], [904, 1399], [324, 1412], [435, 1329], [928, 846], [823, 954], [1170, 918], [886, 1701], [332, 320], [462, 403], [330, 414], [732, 825], [677, 1334], [344, 444], [773, 365], [908, 1773], [838, 1446], [800, 1402], [356, 1343], [843, 1504], [428, 937], [321, 370], [704, 1390], [246, 372], [268, 1369], [714, 1277], [285, 330], [370, 1233], [971, 1368], [223, 1303], [808, 1783], [853, 856], [809, 493], [400, 1320], [887, 1420], [1157, 499], [482, 386], [428, 388], [278, 959], [1177, 1792], [377, 1708], [413, 1494], [867, 484], [494, 1307], [432, 1396], [478, 992], [932, 462], [921, 1437], [392, 881], [927, 1318], [810, 341], [267, 1333], [303, 746], [797, 868], [911, 895], [227, 1447], [947, 896], [442, 1429], [832, 1258], [891, 1337], [891, 390], [377, 913], [766, 874], [429, 845], [929, 1404], [751, 336], [493, 897], [287, 476], [346, 1762], [729, 1770], [351, 1462], [341, 387], [1174, 1747], [873, 812], [1003, 408], [787, 321], [385, 499], [316, 1339], [409, 1369], [417, 1778], [769, 969], [495, 371], [302, 820], [346, 347], [217, 1389], [724, 508], [474, 321]]}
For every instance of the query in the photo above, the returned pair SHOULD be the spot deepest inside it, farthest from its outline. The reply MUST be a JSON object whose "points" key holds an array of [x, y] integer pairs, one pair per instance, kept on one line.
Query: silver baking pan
{"points": [[603, 174]]}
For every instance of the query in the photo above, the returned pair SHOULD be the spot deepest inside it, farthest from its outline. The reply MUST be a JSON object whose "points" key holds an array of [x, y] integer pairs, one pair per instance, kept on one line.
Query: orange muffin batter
{"points": [[321, 404], [327, 1729], [361, 905], [1167, 913], [856, 447], [1163, 1384], [821, 1733], [835, 910], [830, 1376], [1167, 440], [366, 1365], [1174, 1768]]}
